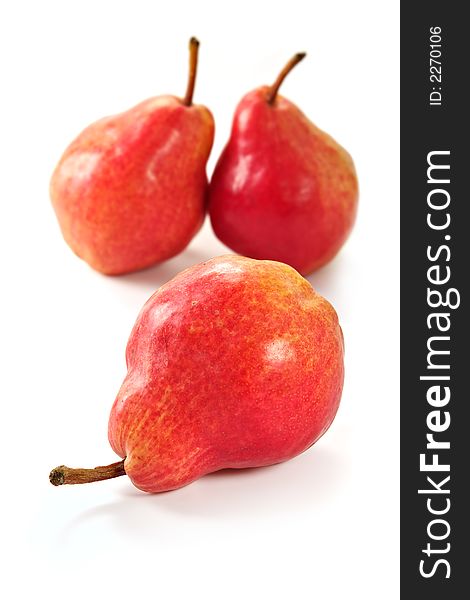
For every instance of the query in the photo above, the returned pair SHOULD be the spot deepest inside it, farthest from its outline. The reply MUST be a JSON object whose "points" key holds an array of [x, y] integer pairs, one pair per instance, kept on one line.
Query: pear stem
{"points": [[65, 475], [273, 90], [193, 53]]}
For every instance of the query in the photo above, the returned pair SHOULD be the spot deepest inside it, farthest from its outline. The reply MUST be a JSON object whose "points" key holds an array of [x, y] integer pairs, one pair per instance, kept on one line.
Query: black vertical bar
{"points": [[434, 118]]}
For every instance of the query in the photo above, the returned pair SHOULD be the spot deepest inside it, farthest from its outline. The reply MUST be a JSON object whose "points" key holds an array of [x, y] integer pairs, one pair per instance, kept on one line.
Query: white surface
{"points": [[324, 525]]}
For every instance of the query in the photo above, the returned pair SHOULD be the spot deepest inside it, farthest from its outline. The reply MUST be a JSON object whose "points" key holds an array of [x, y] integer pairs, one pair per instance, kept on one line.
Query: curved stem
{"points": [[273, 90], [193, 52], [65, 475]]}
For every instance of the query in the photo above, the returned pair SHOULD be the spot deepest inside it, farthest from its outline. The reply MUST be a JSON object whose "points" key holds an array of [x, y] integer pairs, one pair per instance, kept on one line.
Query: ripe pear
{"points": [[234, 363], [282, 189], [131, 190]]}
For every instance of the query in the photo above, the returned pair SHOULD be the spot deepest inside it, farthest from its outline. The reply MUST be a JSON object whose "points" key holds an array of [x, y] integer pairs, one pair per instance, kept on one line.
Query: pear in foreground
{"points": [[131, 190], [234, 363], [282, 189]]}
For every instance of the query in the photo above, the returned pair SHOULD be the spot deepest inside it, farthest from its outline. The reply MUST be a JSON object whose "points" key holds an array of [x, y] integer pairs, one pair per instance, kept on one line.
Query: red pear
{"points": [[131, 190], [282, 189], [234, 363]]}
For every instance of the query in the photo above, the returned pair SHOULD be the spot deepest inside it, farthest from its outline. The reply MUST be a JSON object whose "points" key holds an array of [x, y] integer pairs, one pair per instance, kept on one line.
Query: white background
{"points": [[324, 525]]}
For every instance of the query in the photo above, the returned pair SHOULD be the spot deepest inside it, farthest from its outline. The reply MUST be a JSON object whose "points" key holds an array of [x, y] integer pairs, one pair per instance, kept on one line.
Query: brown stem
{"points": [[193, 52], [273, 90], [65, 475]]}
